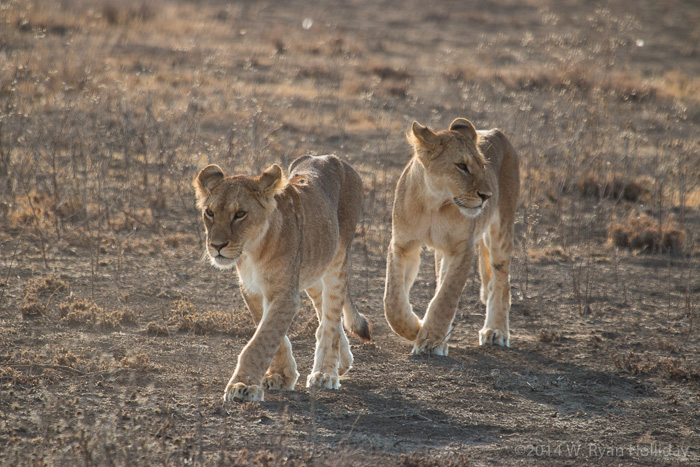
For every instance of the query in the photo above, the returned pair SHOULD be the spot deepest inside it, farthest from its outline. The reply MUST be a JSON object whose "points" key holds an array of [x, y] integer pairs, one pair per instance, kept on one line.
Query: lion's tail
{"points": [[356, 323]]}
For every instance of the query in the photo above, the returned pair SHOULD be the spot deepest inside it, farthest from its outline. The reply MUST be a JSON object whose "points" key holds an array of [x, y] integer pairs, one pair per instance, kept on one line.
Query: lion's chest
{"points": [[251, 277], [446, 231]]}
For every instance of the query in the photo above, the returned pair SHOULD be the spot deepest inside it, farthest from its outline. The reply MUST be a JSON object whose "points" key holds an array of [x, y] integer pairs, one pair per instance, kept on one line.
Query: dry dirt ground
{"points": [[117, 340]]}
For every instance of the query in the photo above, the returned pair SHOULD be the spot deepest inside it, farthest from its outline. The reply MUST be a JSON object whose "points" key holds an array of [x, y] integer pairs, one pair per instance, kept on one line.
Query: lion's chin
{"points": [[222, 262], [471, 213]]}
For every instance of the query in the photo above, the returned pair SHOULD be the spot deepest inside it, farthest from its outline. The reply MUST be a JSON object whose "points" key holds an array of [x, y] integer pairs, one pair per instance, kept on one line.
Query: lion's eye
{"points": [[463, 167], [209, 213], [239, 215]]}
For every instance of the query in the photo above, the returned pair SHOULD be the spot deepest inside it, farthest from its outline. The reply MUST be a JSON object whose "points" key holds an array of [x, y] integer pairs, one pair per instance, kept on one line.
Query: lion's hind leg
{"points": [[315, 293], [499, 242], [332, 357], [485, 271]]}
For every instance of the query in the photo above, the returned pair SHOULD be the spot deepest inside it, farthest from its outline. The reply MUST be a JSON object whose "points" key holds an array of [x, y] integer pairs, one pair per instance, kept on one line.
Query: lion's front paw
{"points": [[323, 380], [276, 381], [239, 392], [494, 337], [428, 347]]}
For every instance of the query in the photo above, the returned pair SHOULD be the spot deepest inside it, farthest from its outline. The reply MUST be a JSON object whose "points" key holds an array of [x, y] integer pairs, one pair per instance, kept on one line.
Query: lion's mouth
{"points": [[224, 262], [472, 210], [463, 206]]}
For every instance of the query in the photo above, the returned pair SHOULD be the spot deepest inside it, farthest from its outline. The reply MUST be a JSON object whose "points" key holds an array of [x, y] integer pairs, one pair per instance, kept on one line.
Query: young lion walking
{"points": [[460, 189], [283, 236]]}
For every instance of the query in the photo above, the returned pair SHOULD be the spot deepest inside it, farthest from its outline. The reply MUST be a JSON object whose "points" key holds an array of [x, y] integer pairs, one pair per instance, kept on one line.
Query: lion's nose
{"points": [[218, 247], [484, 197]]}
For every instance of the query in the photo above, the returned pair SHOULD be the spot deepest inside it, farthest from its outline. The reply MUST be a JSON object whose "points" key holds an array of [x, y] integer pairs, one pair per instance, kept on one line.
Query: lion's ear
{"points": [[424, 141], [465, 127], [206, 180], [423, 136], [272, 181]]}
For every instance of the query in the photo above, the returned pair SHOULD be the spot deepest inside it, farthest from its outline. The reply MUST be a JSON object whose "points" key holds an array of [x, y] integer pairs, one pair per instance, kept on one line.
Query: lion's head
{"points": [[236, 210], [454, 166]]}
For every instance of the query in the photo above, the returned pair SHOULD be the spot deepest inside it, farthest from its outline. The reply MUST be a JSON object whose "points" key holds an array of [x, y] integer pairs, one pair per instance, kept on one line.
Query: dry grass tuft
{"points": [[186, 318], [679, 85], [549, 336], [139, 362], [641, 232], [67, 358], [10, 376], [158, 329], [669, 367], [633, 363], [38, 293], [86, 312], [677, 369]]}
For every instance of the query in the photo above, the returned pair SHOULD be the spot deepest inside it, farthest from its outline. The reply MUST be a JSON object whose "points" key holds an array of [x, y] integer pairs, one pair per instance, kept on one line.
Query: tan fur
{"points": [[460, 189], [283, 236]]}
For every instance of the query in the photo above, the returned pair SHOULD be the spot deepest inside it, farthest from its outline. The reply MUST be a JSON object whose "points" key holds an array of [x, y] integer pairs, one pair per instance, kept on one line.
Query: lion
{"points": [[283, 235], [460, 189]]}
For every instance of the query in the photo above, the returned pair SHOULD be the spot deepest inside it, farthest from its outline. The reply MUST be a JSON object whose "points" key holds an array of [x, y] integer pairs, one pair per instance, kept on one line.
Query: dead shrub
{"points": [[38, 293], [615, 188], [641, 232]]}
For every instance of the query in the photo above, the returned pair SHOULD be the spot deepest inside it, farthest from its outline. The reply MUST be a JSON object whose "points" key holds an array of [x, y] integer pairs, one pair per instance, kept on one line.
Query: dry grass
{"points": [[641, 232], [87, 313], [548, 336], [185, 317], [616, 188], [39, 293], [139, 362], [669, 367]]}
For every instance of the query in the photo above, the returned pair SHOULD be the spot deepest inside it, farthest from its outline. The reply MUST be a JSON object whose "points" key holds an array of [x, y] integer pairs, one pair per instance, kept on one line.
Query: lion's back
{"points": [[337, 182], [497, 148]]}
